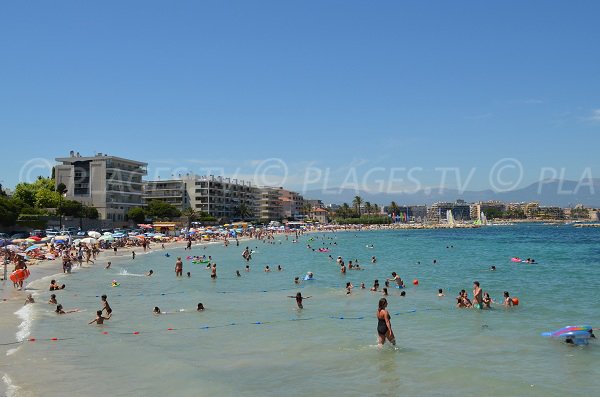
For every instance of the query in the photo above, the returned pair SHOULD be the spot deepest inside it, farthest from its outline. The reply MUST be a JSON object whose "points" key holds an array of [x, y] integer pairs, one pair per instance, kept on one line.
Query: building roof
{"points": [[99, 156]]}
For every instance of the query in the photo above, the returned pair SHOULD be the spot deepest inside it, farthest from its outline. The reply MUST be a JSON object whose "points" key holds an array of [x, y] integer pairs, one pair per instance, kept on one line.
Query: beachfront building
{"points": [[461, 211], [267, 204], [219, 196], [113, 185], [550, 213], [485, 206], [172, 191], [292, 204], [314, 203], [319, 215]]}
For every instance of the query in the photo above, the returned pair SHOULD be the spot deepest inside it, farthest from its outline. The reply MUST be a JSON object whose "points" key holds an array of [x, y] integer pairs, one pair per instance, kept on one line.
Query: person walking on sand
{"points": [[179, 267], [384, 327]]}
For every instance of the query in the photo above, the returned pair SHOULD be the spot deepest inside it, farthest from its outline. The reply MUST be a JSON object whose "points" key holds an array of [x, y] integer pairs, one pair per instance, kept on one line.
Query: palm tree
{"points": [[376, 209], [356, 204], [343, 211], [306, 209], [244, 211], [368, 207], [393, 208], [191, 214]]}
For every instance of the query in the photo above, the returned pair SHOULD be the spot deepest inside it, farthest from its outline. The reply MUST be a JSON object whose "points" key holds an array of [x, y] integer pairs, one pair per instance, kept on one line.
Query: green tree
{"points": [[45, 198], [376, 209], [393, 208], [70, 208], [61, 188], [161, 210], [356, 203], [244, 211], [25, 192], [90, 212], [9, 211], [368, 208], [137, 214]]}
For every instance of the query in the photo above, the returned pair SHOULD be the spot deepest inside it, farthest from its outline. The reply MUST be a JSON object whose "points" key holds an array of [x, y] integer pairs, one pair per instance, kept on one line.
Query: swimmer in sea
{"points": [[385, 291], [384, 327], [247, 270], [487, 301], [375, 286], [296, 280], [105, 305], [362, 286], [349, 287], [493, 268], [267, 270], [178, 267], [29, 299], [237, 273], [507, 299], [156, 310], [200, 307], [150, 273], [108, 265], [477, 296], [99, 318], [189, 274], [299, 298], [60, 310], [52, 300], [441, 293]]}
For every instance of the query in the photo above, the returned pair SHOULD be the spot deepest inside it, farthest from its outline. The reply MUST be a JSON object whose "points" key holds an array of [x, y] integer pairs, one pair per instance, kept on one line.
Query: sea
{"points": [[252, 340]]}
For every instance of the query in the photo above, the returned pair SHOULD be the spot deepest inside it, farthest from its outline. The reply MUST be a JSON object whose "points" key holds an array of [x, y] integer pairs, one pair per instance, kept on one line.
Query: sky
{"points": [[306, 94]]}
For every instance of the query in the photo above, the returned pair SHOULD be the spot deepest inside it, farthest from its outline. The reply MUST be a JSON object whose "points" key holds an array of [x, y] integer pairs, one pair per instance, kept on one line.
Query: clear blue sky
{"points": [[330, 84]]}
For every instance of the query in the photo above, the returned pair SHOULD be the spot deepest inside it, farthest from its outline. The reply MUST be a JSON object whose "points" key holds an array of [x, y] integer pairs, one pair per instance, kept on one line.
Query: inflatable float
{"points": [[574, 334], [323, 249], [516, 259], [19, 275]]}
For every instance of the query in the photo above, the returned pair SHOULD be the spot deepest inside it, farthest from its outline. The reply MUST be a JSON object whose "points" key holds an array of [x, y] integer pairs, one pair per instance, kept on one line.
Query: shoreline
{"points": [[12, 300]]}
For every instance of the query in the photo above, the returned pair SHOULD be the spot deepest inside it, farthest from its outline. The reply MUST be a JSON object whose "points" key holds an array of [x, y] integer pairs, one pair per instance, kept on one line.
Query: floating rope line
{"points": [[208, 327]]}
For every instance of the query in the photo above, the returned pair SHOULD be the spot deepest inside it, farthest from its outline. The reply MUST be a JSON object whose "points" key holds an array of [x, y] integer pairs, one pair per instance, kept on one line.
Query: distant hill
{"points": [[561, 193]]}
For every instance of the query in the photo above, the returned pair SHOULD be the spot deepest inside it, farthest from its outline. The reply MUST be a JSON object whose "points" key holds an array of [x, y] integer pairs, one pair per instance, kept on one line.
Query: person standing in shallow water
{"points": [[179, 267], [384, 327]]}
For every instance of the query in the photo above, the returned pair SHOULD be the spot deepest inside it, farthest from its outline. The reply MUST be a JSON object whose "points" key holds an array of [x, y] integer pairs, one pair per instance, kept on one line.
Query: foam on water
{"points": [[11, 389], [26, 315]]}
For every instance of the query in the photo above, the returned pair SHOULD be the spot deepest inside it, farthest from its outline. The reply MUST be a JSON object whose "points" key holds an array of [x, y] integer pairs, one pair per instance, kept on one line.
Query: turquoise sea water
{"points": [[253, 341]]}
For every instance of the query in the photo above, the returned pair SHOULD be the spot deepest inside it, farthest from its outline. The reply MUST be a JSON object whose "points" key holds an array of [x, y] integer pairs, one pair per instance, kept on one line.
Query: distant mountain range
{"points": [[563, 193]]}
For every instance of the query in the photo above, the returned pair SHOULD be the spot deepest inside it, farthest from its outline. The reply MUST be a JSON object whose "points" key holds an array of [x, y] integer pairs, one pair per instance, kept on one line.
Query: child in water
{"points": [[99, 318], [299, 299]]}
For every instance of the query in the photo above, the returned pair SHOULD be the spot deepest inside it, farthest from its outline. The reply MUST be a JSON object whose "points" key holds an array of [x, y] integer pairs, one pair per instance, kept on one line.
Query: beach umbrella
{"points": [[18, 240], [34, 247], [94, 234], [107, 238], [12, 248], [89, 240], [107, 234], [34, 238], [77, 242]]}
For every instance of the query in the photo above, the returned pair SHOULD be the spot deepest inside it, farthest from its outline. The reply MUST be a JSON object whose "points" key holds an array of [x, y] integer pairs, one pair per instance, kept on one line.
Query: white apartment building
{"points": [[113, 185]]}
